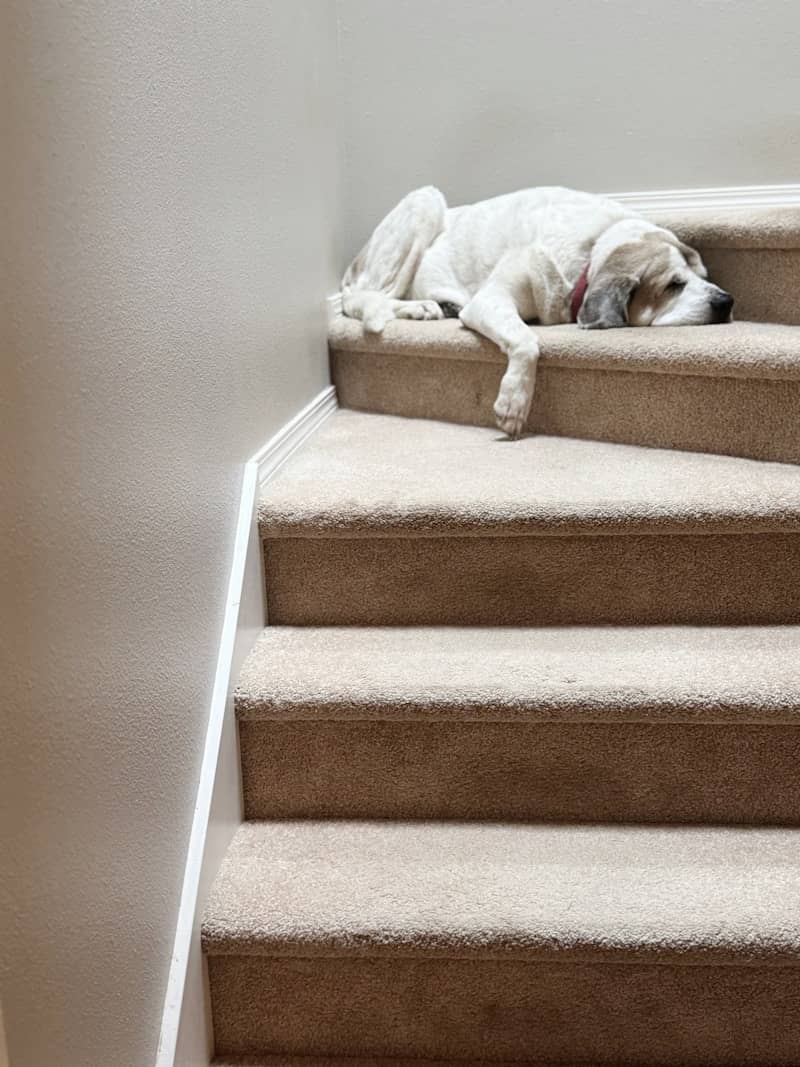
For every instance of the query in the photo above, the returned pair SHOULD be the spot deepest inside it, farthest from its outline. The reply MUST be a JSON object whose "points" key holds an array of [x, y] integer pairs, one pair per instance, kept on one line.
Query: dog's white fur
{"points": [[519, 257]]}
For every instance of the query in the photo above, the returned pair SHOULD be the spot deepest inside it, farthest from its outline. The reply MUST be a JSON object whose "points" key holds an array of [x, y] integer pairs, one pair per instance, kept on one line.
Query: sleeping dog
{"points": [[544, 255]]}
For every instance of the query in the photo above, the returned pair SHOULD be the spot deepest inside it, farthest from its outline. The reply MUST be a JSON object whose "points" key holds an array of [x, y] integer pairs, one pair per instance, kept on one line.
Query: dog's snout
{"points": [[721, 306]]}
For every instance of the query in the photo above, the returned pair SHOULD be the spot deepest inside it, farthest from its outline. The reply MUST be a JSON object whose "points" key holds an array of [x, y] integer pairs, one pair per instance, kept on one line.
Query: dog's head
{"points": [[651, 279]]}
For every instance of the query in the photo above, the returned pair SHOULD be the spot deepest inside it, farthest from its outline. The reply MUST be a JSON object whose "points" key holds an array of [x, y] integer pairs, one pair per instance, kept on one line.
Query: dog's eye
{"points": [[676, 285]]}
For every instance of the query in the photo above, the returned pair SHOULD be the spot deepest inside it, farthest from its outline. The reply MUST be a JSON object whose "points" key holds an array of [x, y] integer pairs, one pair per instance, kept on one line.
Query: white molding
{"points": [[287, 440], [704, 199], [245, 612], [184, 928]]}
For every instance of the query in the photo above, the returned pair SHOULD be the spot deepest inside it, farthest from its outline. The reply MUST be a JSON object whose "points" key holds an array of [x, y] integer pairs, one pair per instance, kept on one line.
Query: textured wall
{"points": [[168, 210], [481, 98]]}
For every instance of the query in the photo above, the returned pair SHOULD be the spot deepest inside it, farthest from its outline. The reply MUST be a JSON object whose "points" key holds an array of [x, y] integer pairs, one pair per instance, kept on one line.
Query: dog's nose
{"points": [[721, 306]]}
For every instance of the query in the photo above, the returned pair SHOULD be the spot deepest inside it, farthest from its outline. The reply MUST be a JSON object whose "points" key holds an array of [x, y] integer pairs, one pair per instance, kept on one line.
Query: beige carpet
{"points": [[625, 674], [376, 476], [464, 890], [731, 389], [462, 940], [520, 743], [764, 228], [361, 1061], [749, 350], [388, 521], [681, 725]]}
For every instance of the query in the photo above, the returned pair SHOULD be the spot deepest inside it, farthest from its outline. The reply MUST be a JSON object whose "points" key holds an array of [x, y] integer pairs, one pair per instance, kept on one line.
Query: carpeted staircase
{"points": [[521, 744]]}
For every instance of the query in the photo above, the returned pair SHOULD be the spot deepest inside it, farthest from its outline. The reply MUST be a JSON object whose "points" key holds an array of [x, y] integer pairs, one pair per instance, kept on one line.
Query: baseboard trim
{"points": [[271, 457], [244, 614], [732, 196]]}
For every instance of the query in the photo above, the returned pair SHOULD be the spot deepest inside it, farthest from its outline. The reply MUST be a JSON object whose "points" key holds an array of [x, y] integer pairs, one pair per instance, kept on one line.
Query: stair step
{"points": [[591, 724], [389, 521], [742, 228], [731, 389], [472, 941]]}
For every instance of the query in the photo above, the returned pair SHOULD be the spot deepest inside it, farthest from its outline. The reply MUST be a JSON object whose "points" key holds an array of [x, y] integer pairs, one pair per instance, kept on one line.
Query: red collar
{"points": [[578, 293]]}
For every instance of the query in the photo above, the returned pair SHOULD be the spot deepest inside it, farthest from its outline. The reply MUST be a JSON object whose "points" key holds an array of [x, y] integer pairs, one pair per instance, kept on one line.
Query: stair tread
{"points": [[738, 349], [617, 894], [511, 674], [776, 226], [379, 475]]}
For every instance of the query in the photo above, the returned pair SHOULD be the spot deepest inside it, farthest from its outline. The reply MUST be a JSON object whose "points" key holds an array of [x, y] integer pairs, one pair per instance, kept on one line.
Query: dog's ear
{"points": [[606, 302], [692, 257]]}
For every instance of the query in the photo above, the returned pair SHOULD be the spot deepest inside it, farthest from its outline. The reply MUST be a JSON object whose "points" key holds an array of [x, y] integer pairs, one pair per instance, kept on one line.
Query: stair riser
{"points": [[752, 418], [662, 1016], [562, 772], [762, 281], [533, 581]]}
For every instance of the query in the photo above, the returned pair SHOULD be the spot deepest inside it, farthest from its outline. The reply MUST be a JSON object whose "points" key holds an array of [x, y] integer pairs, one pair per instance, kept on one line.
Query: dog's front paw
{"points": [[419, 309], [513, 406]]}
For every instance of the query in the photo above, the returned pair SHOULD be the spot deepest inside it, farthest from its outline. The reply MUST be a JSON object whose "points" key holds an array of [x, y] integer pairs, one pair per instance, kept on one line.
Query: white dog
{"points": [[543, 255]]}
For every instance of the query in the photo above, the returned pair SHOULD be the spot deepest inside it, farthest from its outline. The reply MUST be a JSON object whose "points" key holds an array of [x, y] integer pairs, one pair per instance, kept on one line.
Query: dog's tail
{"points": [[382, 273], [374, 309]]}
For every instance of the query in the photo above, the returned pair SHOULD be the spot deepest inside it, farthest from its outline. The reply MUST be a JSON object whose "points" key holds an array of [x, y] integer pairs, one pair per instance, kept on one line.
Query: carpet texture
{"points": [[749, 350], [546, 772], [733, 389], [520, 744], [644, 675], [767, 228], [360, 1061], [678, 896], [677, 725], [534, 581], [387, 521], [484, 941], [641, 1015], [373, 476]]}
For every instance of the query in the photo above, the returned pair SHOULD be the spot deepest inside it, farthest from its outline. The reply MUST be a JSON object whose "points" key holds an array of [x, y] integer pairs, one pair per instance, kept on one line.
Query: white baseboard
{"points": [[708, 199], [185, 1036], [287, 440]]}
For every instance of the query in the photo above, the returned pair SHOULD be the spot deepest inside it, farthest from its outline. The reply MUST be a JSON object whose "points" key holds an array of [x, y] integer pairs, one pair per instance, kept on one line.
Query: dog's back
{"points": [[477, 235]]}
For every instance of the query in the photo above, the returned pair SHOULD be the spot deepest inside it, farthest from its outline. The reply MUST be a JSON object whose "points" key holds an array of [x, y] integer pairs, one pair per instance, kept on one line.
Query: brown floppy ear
{"points": [[605, 305], [692, 257]]}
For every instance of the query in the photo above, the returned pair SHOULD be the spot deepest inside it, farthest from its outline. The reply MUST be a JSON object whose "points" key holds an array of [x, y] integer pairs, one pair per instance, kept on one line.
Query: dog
{"points": [[545, 255]]}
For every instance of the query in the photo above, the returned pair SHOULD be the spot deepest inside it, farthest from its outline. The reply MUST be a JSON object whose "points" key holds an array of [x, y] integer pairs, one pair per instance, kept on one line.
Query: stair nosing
{"points": [[448, 340], [436, 686], [307, 919]]}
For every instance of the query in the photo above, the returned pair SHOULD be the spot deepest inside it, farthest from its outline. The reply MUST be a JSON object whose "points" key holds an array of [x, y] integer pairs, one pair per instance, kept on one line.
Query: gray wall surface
{"points": [[169, 205], [481, 98]]}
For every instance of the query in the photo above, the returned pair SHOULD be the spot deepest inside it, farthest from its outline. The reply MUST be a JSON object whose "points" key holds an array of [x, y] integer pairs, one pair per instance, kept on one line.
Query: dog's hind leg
{"points": [[377, 283]]}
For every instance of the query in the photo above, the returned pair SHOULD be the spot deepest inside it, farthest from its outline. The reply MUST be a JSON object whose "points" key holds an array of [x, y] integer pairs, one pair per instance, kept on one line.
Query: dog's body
{"points": [[548, 255]]}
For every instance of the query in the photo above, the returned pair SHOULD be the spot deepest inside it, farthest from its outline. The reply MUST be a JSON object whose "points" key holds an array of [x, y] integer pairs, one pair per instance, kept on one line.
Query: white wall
{"points": [[484, 96], [170, 192]]}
